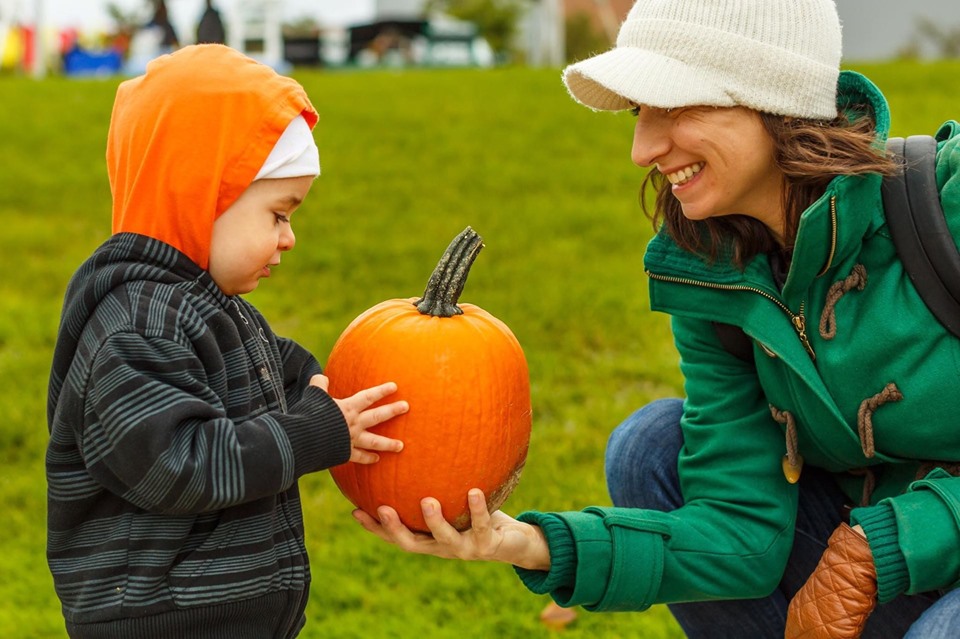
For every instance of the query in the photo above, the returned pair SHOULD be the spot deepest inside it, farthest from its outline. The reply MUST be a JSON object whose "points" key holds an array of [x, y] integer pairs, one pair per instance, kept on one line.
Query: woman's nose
{"points": [[651, 137]]}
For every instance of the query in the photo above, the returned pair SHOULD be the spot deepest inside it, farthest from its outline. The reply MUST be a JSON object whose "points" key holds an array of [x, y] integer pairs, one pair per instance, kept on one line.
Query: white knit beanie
{"points": [[775, 56]]}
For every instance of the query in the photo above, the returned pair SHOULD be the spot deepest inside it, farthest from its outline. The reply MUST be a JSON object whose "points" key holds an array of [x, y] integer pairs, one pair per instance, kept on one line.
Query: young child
{"points": [[179, 423]]}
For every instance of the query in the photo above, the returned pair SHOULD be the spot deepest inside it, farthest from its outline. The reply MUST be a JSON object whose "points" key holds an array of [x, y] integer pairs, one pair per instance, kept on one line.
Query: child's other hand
{"points": [[356, 410]]}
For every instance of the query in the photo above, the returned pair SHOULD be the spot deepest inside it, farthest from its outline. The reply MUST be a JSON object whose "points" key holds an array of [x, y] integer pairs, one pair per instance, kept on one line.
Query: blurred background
{"points": [[101, 37], [435, 114]]}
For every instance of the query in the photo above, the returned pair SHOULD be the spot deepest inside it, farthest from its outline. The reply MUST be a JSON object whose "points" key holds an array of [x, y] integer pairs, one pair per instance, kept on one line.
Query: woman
{"points": [[730, 504]]}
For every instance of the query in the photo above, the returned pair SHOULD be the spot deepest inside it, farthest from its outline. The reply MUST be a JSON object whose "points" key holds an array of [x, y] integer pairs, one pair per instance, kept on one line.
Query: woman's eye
{"points": [[635, 111]]}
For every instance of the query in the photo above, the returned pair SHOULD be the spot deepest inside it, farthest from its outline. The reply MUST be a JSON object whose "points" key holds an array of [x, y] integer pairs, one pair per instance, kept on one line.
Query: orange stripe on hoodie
{"points": [[188, 137]]}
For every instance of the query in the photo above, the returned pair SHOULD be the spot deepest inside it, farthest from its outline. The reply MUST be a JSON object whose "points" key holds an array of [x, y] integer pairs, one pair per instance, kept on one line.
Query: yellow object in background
{"points": [[11, 48]]}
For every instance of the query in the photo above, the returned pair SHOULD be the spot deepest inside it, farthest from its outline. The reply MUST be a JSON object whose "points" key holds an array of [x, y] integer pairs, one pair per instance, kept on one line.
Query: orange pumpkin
{"points": [[465, 378]]}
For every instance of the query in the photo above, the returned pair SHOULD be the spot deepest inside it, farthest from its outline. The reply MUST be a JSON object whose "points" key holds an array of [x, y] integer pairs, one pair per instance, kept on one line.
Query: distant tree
{"points": [[582, 38], [126, 23], [945, 40], [210, 29], [910, 51], [125, 20], [306, 26], [496, 20]]}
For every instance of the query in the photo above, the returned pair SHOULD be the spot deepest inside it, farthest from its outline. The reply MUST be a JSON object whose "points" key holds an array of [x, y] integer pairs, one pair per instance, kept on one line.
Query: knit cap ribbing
{"points": [[776, 56]]}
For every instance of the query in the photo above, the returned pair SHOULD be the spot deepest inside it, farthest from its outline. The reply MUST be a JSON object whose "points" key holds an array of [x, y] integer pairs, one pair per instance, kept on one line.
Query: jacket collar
{"points": [[833, 228]]}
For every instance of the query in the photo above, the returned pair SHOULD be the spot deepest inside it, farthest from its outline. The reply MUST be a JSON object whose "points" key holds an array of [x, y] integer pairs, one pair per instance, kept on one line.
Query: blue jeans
{"points": [[641, 467]]}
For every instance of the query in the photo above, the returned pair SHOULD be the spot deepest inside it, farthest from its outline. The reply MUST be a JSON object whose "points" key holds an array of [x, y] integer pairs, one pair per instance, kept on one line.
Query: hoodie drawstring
{"points": [[793, 460], [828, 320], [890, 393]]}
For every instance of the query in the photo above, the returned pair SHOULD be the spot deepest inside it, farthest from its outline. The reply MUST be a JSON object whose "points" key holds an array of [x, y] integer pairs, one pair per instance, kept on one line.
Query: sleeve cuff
{"points": [[563, 556], [601, 558], [880, 526], [318, 433]]}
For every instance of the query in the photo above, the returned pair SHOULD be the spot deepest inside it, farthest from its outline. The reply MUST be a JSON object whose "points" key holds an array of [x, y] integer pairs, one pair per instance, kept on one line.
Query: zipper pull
{"points": [[239, 312], [800, 323]]}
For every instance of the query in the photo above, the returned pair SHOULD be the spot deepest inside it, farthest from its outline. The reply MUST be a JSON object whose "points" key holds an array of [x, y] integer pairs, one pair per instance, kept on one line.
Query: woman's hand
{"points": [[492, 537], [359, 416]]}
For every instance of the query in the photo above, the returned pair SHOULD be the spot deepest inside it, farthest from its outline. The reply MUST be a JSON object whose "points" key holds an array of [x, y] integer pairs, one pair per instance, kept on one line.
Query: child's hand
{"points": [[492, 537], [360, 417]]}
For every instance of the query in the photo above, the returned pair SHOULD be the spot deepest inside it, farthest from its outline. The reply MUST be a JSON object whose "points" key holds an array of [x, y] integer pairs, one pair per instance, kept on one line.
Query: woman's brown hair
{"points": [[809, 153]]}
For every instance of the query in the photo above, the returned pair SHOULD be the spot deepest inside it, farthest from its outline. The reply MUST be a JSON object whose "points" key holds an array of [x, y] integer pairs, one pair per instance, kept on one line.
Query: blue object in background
{"points": [[79, 62]]}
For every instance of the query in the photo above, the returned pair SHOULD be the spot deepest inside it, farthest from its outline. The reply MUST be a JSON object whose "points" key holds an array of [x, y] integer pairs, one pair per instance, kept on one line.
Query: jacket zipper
{"points": [[797, 319], [282, 498], [262, 351], [833, 235]]}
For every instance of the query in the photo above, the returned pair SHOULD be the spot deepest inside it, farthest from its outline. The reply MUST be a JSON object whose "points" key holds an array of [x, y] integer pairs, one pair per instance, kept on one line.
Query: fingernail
{"points": [[474, 497], [428, 507]]}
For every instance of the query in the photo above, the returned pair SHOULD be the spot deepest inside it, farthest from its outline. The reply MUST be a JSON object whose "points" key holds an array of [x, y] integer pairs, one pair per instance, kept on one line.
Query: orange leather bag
{"points": [[839, 596]]}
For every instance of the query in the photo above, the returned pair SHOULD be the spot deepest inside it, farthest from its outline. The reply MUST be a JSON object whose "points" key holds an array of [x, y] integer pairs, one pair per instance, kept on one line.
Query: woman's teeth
{"points": [[683, 175]]}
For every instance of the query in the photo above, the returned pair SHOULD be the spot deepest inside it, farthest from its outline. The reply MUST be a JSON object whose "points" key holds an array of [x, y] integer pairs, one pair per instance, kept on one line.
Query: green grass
{"points": [[409, 159]]}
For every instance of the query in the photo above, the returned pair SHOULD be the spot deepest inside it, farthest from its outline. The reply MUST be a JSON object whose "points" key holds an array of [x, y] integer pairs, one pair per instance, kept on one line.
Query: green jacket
{"points": [[732, 537]]}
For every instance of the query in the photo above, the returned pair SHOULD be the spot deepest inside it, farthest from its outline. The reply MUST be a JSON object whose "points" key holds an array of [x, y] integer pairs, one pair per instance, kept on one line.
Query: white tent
{"points": [[259, 20], [40, 40]]}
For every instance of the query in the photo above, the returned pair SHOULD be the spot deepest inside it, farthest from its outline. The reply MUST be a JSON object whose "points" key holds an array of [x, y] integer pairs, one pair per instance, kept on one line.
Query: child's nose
{"points": [[287, 238], [651, 138]]}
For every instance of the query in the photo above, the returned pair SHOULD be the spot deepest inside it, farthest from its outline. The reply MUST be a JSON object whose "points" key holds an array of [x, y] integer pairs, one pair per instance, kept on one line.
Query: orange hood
{"points": [[188, 137]]}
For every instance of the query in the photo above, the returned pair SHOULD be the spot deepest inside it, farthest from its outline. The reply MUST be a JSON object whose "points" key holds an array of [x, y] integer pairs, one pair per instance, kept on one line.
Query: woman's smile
{"points": [[684, 175]]}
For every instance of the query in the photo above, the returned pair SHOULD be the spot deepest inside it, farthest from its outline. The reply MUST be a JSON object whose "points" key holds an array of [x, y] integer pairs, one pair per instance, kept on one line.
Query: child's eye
{"points": [[282, 219]]}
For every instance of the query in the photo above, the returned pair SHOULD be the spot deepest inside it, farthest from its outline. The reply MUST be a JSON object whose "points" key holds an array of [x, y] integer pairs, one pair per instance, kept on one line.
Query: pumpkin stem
{"points": [[446, 283]]}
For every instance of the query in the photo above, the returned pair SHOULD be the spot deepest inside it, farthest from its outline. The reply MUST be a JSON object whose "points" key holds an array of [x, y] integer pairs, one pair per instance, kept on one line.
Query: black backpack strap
{"points": [[735, 341], [916, 221], [915, 217]]}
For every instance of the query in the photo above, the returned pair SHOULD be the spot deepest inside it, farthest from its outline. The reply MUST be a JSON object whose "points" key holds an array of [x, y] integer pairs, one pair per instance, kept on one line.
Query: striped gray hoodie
{"points": [[179, 425]]}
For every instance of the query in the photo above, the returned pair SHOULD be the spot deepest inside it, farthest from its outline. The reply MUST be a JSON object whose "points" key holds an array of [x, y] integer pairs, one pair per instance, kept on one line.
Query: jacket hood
{"points": [[856, 91], [188, 137], [126, 259]]}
